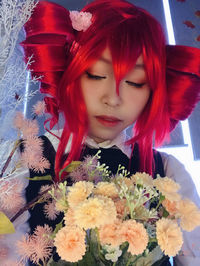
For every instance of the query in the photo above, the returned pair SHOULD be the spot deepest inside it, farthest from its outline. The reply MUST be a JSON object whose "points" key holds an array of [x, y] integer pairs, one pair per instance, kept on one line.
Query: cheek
{"points": [[137, 102], [86, 93], [90, 100], [138, 98], [143, 100]]}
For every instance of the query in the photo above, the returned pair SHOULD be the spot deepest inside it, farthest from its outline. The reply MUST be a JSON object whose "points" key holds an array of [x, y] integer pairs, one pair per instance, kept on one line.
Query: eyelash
{"points": [[137, 85], [95, 77]]}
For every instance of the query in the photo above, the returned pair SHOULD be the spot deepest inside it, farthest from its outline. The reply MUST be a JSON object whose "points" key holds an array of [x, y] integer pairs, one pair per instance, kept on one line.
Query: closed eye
{"points": [[134, 84], [95, 77]]}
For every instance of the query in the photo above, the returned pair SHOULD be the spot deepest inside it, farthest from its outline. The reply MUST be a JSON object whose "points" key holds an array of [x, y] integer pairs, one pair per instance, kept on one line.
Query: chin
{"points": [[100, 139]]}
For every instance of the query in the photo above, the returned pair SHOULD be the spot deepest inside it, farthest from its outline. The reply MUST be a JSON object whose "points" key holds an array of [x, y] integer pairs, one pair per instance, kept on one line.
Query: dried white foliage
{"points": [[13, 15], [14, 80], [13, 71]]}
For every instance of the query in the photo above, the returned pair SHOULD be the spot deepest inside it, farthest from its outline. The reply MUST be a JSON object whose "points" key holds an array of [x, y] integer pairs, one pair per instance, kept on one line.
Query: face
{"points": [[109, 112]]}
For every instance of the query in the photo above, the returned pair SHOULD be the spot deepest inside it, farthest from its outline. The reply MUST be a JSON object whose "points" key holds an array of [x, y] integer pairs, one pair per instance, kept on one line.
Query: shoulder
{"points": [[172, 165], [175, 170], [52, 137]]}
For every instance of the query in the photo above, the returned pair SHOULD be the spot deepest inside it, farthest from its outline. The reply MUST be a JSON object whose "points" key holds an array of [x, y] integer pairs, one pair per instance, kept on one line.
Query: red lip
{"points": [[109, 121]]}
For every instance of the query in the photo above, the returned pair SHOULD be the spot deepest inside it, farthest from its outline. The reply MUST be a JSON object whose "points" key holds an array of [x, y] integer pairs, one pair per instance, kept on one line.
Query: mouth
{"points": [[109, 121]]}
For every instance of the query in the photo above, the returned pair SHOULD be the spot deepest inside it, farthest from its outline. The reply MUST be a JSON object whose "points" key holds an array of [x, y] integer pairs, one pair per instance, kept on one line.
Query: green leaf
{"points": [[70, 168], [6, 227], [60, 263], [165, 213], [123, 257], [162, 197], [58, 227], [40, 178], [139, 186], [87, 260]]}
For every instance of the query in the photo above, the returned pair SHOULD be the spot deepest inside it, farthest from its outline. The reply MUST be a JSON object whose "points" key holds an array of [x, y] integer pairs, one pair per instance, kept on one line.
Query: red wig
{"points": [[62, 55]]}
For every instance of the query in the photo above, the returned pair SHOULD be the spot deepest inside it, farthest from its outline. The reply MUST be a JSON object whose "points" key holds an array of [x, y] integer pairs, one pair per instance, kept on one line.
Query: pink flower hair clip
{"points": [[81, 21]]}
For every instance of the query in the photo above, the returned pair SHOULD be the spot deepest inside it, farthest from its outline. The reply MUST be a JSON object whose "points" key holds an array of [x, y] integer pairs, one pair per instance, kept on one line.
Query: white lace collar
{"points": [[119, 142]]}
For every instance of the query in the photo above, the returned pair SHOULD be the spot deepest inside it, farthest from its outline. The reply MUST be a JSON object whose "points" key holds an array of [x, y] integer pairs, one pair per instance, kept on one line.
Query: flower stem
{"points": [[16, 145], [128, 262], [132, 262], [98, 244], [28, 206]]}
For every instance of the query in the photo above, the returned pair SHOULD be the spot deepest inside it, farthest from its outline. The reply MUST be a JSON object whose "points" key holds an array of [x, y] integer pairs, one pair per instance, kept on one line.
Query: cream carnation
{"points": [[136, 236], [70, 243], [169, 236], [189, 214], [106, 189], [94, 212], [79, 192], [143, 179], [167, 187], [125, 181], [110, 234], [110, 212]]}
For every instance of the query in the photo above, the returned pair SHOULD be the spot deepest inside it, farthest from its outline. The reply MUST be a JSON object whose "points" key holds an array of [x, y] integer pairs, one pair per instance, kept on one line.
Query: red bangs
{"points": [[123, 59]]}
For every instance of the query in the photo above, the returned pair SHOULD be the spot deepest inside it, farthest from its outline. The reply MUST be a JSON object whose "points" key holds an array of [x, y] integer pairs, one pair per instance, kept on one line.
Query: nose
{"points": [[112, 96]]}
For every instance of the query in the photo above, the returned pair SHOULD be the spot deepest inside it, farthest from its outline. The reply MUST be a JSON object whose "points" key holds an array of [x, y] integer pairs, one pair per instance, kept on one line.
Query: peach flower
{"points": [[94, 212], [167, 187], [136, 236], [189, 214], [121, 208], [79, 192], [70, 243], [110, 234], [69, 217], [169, 236], [171, 206], [106, 189], [110, 212]]}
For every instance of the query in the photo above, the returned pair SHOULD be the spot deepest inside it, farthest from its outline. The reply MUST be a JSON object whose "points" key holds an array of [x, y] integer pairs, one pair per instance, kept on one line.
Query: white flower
{"points": [[113, 253]]}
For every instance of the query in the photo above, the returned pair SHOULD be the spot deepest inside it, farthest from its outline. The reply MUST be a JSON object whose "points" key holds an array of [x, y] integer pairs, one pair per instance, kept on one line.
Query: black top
{"points": [[112, 157]]}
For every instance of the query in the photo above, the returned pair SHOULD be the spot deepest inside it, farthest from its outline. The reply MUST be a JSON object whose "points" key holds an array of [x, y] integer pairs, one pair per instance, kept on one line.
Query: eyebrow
{"points": [[107, 61], [139, 66]]}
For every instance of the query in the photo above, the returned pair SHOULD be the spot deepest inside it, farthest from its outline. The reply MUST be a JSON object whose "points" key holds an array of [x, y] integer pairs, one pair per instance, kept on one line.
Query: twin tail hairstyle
{"points": [[62, 55]]}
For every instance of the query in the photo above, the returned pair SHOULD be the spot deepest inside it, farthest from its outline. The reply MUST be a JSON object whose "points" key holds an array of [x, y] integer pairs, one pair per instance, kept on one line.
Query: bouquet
{"points": [[110, 219]]}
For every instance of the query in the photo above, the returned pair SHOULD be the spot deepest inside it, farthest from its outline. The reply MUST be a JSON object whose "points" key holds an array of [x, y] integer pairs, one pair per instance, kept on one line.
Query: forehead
{"points": [[106, 58]]}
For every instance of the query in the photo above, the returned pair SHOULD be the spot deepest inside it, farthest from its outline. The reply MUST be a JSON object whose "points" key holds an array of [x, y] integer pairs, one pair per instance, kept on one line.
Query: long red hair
{"points": [[62, 55]]}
